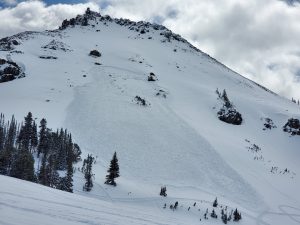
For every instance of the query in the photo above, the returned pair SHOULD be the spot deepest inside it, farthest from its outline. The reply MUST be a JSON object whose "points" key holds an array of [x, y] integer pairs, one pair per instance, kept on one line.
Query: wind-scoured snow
{"points": [[175, 140]]}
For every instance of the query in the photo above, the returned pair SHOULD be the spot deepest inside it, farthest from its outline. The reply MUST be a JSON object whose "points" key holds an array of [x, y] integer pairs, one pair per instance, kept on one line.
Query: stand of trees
{"points": [[23, 147]]}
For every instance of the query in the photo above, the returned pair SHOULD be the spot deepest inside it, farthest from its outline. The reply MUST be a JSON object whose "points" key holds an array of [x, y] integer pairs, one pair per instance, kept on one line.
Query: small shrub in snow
{"points": [[140, 101], [268, 124], [213, 214], [176, 205], [205, 214], [224, 218], [163, 191], [161, 93]]}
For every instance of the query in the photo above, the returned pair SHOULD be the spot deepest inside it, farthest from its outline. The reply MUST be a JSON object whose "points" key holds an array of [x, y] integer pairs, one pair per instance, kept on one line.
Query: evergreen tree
{"points": [[11, 134], [42, 175], [88, 175], [8, 151], [76, 153], [34, 137], [113, 171], [176, 205], [215, 203], [2, 132], [226, 99], [205, 214], [224, 216], [236, 215], [67, 181], [52, 176], [213, 214], [25, 138], [23, 166], [62, 154], [43, 137]]}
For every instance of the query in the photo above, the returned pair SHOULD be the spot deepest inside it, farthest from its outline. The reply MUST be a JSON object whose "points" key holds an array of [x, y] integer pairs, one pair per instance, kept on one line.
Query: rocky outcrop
{"points": [[56, 45], [152, 77], [95, 53], [228, 113], [9, 71], [47, 57], [141, 101], [8, 44], [292, 126]]}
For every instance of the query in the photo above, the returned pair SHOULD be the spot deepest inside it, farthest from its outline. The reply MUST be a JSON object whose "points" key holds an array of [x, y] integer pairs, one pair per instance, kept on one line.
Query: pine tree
{"points": [[42, 175], [43, 137], [224, 216], [213, 214], [2, 132], [236, 215], [68, 179], [11, 134], [226, 99], [76, 153], [215, 203], [8, 151], [62, 154], [52, 176], [88, 175], [34, 137], [113, 171], [26, 133], [176, 205], [23, 166]]}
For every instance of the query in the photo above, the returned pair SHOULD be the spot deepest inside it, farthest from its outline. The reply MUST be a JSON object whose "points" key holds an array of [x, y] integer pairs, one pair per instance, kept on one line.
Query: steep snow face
{"points": [[176, 138]]}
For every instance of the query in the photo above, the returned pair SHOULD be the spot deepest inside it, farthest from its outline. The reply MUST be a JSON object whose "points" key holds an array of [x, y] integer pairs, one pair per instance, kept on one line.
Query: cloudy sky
{"points": [[259, 38]]}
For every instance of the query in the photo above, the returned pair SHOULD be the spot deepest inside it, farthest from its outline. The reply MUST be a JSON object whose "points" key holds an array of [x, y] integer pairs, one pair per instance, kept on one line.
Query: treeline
{"points": [[37, 154]]}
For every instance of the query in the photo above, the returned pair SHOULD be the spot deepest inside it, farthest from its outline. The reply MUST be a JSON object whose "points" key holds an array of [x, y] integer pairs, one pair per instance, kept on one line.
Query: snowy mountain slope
{"points": [[27, 203], [176, 140], [24, 202]]}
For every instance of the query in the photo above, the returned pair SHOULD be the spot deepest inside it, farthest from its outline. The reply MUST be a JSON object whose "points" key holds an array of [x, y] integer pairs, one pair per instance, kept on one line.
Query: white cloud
{"points": [[257, 38], [36, 15]]}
